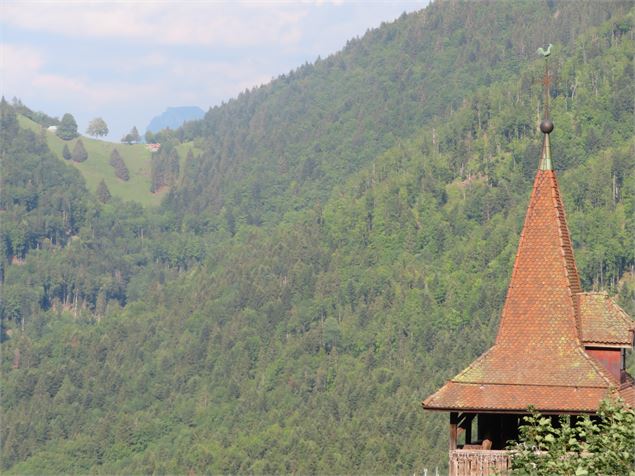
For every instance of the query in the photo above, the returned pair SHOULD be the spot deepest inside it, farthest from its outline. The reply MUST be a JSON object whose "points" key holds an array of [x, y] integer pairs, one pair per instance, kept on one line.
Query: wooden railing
{"points": [[479, 462]]}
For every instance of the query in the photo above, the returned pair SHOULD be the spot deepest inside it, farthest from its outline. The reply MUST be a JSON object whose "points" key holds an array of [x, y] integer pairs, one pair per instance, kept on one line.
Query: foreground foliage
{"points": [[589, 445]]}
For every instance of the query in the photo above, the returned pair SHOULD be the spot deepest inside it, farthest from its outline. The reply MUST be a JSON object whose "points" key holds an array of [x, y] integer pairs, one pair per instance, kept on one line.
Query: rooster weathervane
{"points": [[544, 53]]}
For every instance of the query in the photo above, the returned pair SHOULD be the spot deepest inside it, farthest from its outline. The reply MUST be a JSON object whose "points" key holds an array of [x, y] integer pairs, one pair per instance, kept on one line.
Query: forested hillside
{"points": [[316, 273], [283, 146]]}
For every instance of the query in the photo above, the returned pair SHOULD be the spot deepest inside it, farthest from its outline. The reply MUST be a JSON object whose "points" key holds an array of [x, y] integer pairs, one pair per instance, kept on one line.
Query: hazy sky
{"points": [[129, 61]]}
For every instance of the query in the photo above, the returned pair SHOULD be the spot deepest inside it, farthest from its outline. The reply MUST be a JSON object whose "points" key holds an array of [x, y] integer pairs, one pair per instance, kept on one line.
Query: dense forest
{"points": [[339, 247]]}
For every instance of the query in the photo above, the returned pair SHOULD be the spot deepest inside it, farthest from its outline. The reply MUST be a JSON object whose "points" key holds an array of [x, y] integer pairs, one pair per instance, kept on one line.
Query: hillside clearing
{"points": [[136, 157]]}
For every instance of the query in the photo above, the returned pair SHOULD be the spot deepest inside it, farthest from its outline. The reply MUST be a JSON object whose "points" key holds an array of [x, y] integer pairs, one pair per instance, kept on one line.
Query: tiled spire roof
{"points": [[539, 358], [544, 278]]}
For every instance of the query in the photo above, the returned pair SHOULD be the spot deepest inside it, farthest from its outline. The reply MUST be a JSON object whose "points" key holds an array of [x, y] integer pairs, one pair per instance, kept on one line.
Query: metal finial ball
{"points": [[546, 126]]}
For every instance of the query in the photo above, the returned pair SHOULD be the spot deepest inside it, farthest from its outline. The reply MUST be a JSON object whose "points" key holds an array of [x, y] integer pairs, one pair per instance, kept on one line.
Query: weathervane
{"points": [[547, 78], [546, 126]]}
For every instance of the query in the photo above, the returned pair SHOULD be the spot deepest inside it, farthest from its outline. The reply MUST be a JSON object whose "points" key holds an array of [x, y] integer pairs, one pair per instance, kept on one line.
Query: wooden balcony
{"points": [[473, 462]]}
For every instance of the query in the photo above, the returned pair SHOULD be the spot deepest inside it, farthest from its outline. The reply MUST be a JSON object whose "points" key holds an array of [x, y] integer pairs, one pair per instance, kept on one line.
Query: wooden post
{"points": [[454, 419], [468, 428]]}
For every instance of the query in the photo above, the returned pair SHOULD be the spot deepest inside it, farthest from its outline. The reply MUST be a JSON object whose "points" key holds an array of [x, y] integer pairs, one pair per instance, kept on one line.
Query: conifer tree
{"points": [[115, 156], [121, 171], [174, 166], [131, 137], [79, 152], [134, 133], [8, 121], [103, 194], [66, 153]]}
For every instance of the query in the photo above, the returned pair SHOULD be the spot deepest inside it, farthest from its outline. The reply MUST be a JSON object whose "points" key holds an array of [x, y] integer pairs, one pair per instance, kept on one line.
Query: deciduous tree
{"points": [[602, 446], [97, 128]]}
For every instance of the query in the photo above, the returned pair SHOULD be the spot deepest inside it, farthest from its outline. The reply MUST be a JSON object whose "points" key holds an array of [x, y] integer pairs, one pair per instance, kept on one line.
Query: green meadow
{"points": [[136, 157]]}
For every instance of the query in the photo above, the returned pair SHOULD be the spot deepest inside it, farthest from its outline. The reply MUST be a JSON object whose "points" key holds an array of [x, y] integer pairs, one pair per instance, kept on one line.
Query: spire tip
{"points": [[546, 126]]}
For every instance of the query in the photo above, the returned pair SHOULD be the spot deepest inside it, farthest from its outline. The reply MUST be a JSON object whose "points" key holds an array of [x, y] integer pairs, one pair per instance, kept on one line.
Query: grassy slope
{"points": [[136, 157]]}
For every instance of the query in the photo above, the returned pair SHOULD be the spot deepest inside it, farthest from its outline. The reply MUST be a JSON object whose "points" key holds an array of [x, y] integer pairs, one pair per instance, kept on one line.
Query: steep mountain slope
{"points": [[305, 345], [40, 198]]}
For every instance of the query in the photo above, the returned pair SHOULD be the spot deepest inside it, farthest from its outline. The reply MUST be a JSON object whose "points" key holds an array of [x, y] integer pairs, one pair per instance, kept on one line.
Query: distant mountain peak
{"points": [[174, 117]]}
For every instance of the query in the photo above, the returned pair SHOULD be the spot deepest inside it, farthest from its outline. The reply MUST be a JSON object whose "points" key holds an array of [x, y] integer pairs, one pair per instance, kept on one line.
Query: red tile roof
{"points": [[603, 321], [514, 398], [627, 392], [538, 358]]}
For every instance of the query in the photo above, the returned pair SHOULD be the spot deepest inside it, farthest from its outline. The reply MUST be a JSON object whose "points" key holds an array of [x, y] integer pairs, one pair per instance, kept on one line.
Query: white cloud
{"points": [[153, 60], [206, 82], [96, 94], [24, 67], [18, 64], [167, 23]]}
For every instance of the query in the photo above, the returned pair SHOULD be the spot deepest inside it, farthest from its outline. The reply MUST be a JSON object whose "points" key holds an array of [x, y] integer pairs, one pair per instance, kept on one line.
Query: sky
{"points": [[128, 61]]}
